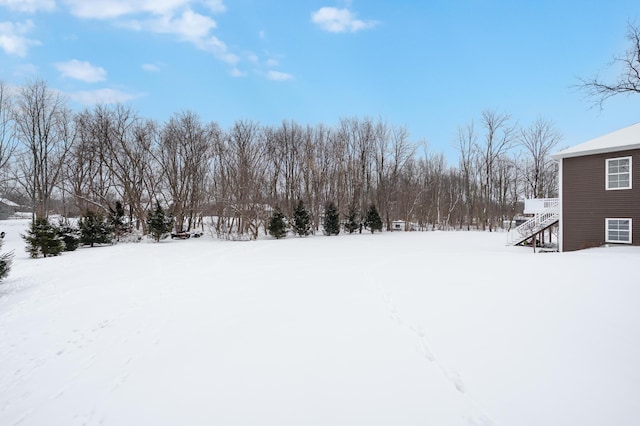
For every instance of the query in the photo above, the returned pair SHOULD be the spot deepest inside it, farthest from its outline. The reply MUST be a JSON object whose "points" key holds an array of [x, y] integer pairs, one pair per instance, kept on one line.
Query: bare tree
{"points": [[287, 143], [392, 153], [183, 155], [44, 128], [360, 137], [467, 142], [240, 181], [87, 176], [315, 163], [451, 193], [628, 81], [538, 140], [498, 139], [126, 144], [8, 142], [7, 129]]}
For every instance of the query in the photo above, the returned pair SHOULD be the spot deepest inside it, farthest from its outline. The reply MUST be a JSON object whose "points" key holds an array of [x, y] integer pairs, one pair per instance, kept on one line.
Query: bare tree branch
{"points": [[629, 79]]}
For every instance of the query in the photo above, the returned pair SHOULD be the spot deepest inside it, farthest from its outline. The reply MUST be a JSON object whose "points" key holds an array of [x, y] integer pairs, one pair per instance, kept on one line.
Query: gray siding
{"points": [[586, 203]]}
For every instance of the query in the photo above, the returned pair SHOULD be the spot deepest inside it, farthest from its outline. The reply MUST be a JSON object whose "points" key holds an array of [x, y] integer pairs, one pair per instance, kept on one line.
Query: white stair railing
{"points": [[537, 223]]}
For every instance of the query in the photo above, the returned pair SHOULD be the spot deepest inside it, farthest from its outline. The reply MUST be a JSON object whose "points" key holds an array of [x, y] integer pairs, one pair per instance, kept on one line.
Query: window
{"points": [[619, 173], [618, 231]]}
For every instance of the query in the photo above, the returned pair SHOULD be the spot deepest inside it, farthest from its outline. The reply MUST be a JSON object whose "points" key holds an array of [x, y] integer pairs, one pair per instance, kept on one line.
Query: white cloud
{"points": [[171, 17], [235, 72], [13, 40], [100, 9], [81, 70], [271, 62], [102, 96], [109, 9], [30, 6], [150, 67], [218, 49], [190, 26], [216, 6], [337, 20], [278, 76]]}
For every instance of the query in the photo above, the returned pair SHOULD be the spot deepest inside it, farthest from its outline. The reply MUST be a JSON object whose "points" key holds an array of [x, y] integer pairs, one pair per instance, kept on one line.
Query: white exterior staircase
{"points": [[546, 213]]}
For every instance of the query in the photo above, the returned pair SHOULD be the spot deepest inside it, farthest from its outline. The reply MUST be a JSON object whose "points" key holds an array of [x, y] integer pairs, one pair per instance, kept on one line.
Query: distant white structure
{"points": [[401, 225]]}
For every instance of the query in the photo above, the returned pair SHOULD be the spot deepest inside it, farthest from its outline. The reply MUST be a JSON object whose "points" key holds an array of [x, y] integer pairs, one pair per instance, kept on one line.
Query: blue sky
{"points": [[431, 66]]}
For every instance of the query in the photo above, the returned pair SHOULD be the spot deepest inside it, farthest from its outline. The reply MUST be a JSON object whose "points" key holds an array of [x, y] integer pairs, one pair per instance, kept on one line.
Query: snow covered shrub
{"points": [[117, 220], [301, 221], [95, 229], [159, 223], [5, 262], [43, 238], [352, 224], [373, 221], [331, 219], [277, 226], [69, 234]]}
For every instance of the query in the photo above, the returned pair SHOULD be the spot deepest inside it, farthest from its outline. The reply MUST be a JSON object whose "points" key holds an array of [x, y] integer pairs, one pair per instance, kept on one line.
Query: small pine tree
{"points": [[69, 234], [331, 219], [95, 229], [43, 238], [116, 219], [352, 224], [159, 223], [372, 220], [5, 262], [277, 225], [301, 221]]}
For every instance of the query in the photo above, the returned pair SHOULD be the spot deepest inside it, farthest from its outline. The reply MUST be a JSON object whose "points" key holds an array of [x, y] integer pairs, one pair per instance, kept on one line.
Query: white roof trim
{"points": [[621, 140]]}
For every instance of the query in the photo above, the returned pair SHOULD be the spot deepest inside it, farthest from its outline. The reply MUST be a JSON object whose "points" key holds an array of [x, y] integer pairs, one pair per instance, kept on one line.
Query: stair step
{"points": [[536, 224]]}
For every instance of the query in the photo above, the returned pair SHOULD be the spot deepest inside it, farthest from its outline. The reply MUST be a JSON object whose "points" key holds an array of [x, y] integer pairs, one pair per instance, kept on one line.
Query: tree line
{"points": [[58, 161]]}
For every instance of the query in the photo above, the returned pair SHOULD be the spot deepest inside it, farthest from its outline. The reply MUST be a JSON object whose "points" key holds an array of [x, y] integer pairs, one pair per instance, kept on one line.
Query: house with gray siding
{"points": [[7, 208], [599, 191]]}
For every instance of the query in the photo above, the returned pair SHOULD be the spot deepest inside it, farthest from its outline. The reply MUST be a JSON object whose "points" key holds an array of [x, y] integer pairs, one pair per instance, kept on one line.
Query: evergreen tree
{"points": [[116, 219], [277, 225], [373, 221], [301, 221], [5, 262], [159, 223], [95, 229], [43, 239], [352, 223], [69, 234], [331, 219]]}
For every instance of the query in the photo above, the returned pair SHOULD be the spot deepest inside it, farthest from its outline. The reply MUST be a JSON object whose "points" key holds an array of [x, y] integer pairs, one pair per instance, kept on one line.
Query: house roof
{"points": [[620, 140], [8, 202]]}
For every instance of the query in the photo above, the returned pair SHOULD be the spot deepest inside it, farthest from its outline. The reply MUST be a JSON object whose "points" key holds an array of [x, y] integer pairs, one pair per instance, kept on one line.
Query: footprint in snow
{"points": [[395, 316], [457, 381], [425, 351]]}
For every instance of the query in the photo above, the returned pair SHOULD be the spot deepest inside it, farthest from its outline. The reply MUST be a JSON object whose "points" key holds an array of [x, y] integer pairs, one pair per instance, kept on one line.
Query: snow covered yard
{"points": [[392, 329]]}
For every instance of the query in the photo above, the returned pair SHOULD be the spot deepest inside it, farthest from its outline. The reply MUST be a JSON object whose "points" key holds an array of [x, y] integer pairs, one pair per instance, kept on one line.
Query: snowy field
{"points": [[388, 329]]}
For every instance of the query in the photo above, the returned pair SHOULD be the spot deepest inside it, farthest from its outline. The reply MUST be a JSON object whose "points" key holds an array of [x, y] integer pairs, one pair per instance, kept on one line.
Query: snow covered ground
{"points": [[388, 329]]}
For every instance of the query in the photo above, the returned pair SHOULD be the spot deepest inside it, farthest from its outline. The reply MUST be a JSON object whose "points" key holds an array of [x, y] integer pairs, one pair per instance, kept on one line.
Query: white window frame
{"points": [[606, 230], [606, 173]]}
